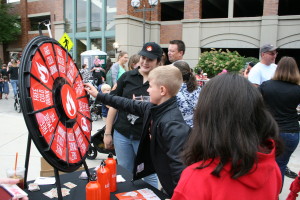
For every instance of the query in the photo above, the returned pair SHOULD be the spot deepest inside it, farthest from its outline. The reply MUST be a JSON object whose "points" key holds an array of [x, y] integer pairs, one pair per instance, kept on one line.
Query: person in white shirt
{"points": [[265, 69]]}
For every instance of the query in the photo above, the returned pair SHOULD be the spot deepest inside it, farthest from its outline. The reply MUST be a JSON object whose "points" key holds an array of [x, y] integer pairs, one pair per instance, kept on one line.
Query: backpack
{"points": [[109, 78]]}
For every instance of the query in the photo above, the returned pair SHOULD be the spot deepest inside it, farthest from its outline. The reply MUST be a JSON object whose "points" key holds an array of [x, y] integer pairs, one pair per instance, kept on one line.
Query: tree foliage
{"points": [[214, 61], [251, 59], [10, 27]]}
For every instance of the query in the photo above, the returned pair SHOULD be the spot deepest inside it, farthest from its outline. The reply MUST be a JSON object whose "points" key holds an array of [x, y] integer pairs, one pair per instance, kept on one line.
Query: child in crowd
{"points": [[105, 89], [85, 73], [231, 150], [5, 87], [164, 130], [134, 61]]}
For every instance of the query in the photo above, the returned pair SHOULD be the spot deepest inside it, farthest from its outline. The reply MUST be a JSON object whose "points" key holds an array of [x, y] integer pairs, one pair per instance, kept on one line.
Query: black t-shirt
{"points": [[14, 73], [4, 72], [282, 99], [131, 82]]}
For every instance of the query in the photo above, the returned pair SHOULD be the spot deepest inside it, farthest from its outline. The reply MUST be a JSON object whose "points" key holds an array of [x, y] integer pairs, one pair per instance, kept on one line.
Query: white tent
{"points": [[96, 52]]}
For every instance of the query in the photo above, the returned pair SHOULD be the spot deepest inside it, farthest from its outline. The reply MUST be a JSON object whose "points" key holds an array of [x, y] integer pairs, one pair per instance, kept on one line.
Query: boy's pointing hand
{"points": [[90, 89]]}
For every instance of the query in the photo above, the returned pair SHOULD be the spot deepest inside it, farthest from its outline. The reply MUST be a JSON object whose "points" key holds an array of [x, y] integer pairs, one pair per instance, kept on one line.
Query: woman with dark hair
{"points": [[231, 150], [282, 96], [188, 94]]}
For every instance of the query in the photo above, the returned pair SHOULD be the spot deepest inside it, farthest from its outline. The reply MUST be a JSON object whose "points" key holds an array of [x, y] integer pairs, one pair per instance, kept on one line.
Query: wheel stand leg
{"points": [[27, 159], [87, 170], [57, 183]]}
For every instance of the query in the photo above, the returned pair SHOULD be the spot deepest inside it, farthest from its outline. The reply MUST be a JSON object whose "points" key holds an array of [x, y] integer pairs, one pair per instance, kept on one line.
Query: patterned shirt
{"points": [[186, 102], [85, 73]]}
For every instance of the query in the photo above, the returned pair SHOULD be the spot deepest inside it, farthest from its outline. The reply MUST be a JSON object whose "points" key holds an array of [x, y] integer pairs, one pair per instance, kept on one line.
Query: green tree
{"points": [[10, 27], [250, 59]]}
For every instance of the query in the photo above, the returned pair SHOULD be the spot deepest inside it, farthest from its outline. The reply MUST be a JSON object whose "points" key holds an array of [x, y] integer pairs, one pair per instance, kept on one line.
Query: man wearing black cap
{"points": [[265, 69]]}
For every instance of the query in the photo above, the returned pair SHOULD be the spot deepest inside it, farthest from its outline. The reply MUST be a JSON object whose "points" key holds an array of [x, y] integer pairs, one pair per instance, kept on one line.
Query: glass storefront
{"points": [[94, 25]]}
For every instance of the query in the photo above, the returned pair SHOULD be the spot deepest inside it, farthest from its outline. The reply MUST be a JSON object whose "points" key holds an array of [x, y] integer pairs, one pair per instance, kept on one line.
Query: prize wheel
{"points": [[55, 104]]}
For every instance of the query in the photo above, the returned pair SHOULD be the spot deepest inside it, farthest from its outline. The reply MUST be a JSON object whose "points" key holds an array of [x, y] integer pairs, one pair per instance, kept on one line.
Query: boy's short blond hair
{"points": [[167, 76], [105, 87]]}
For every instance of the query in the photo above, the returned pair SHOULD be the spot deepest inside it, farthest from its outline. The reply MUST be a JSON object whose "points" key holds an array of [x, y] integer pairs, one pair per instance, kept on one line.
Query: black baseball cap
{"points": [[151, 50]]}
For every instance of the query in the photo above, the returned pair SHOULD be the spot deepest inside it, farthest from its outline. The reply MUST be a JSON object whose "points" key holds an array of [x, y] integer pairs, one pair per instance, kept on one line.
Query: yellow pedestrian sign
{"points": [[66, 42]]}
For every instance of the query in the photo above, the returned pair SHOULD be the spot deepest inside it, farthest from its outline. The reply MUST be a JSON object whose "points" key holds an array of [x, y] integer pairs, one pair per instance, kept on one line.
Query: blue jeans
{"points": [[126, 150], [290, 141], [14, 84], [1, 87]]}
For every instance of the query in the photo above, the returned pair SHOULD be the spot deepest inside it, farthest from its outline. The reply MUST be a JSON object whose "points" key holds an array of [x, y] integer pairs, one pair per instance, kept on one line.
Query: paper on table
{"points": [[120, 179], [145, 194], [45, 181], [14, 190]]}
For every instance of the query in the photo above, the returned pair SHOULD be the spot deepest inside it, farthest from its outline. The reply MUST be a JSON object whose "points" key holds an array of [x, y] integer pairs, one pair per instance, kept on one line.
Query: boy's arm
{"points": [[120, 103], [175, 135]]}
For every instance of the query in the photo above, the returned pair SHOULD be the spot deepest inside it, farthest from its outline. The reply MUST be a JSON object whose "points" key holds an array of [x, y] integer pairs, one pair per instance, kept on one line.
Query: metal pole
{"points": [[144, 28], [27, 159]]}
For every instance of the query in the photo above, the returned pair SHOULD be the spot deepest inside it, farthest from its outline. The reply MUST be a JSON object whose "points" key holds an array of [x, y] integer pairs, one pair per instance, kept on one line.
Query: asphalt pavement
{"points": [[14, 135]]}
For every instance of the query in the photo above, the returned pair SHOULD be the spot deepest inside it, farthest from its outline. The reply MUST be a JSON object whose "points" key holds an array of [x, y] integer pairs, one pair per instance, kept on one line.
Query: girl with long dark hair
{"points": [[231, 150]]}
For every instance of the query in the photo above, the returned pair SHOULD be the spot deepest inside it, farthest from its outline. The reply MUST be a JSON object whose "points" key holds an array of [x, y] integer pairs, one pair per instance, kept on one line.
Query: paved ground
{"points": [[13, 138]]}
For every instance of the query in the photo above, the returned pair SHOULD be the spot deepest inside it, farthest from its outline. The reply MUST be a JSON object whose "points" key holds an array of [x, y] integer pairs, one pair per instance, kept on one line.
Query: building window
{"points": [[96, 15], [96, 43], [68, 15], [35, 21], [214, 9], [81, 47], [289, 7], [251, 8], [111, 11], [12, 1], [109, 47], [81, 16], [171, 11]]}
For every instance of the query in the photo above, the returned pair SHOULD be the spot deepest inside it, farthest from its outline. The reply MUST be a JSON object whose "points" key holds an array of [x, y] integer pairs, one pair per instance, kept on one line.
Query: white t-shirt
{"points": [[261, 72]]}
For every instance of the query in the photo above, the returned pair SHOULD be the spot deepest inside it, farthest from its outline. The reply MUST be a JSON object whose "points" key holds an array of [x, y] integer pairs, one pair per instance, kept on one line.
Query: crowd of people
{"points": [[228, 137], [9, 74]]}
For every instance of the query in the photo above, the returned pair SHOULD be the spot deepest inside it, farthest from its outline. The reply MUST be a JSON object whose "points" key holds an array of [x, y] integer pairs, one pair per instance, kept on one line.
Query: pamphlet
{"points": [[13, 190], [142, 194]]}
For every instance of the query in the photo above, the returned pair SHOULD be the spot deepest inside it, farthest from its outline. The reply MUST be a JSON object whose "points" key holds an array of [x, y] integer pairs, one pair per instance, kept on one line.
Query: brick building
{"points": [[31, 12], [89, 23], [242, 25]]}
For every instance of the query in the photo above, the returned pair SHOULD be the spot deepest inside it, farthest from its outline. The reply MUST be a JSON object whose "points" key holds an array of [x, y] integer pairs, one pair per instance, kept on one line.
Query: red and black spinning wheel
{"points": [[55, 104]]}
